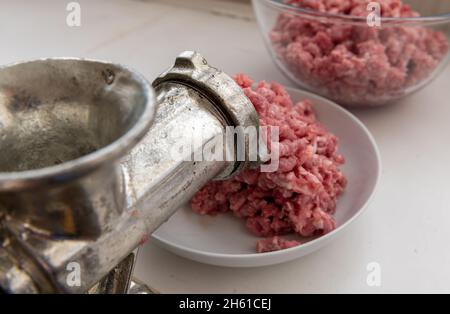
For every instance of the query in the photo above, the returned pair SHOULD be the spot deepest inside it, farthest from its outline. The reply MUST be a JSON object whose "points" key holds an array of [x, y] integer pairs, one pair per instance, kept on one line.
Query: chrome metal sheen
{"points": [[86, 165]]}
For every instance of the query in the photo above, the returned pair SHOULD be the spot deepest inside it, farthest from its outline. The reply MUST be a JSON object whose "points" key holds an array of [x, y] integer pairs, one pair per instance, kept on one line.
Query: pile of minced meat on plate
{"points": [[300, 197]]}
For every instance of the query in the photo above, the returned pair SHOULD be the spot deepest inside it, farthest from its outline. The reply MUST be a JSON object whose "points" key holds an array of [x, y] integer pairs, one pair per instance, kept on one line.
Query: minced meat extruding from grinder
{"points": [[353, 64], [300, 197]]}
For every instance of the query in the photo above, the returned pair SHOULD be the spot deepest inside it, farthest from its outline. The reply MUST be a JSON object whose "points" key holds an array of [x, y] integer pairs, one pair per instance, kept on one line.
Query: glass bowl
{"points": [[357, 60]]}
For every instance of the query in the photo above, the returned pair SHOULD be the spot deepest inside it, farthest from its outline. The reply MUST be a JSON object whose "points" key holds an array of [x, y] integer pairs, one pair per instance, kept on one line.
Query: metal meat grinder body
{"points": [[85, 168]]}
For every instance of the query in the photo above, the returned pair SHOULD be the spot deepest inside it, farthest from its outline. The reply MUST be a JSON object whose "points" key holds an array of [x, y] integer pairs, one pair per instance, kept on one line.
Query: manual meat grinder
{"points": [[85, 175]]}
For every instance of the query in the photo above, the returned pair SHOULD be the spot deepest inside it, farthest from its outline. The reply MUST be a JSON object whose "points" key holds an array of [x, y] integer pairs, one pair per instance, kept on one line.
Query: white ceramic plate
{"points": [[224, 240]]}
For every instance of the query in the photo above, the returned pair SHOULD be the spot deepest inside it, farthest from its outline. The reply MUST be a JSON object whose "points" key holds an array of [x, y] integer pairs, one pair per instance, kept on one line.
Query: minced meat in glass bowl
{"points": [[340, 49]]}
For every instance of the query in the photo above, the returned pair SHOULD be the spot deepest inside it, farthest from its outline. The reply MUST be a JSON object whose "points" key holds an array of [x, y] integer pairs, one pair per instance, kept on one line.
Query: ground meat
{"points": [[300, 197], [357, 65], [274, 244]]}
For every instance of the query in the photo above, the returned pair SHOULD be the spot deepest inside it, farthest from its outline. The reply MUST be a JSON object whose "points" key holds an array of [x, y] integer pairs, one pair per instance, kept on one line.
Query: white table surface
{"points": [[407, 227]]}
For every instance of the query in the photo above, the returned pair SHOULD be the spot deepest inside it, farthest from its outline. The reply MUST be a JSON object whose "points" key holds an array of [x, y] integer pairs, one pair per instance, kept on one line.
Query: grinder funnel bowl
{"points": [[64, 123], [85, 167]]}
